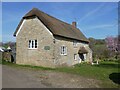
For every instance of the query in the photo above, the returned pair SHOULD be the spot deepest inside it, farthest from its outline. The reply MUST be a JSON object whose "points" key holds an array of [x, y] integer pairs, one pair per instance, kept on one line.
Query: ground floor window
{"points": [[33, 44], [63, 50]]}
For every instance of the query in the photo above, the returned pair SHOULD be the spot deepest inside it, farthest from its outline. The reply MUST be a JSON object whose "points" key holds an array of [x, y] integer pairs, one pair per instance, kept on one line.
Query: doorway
{"points": [[81, 56]]}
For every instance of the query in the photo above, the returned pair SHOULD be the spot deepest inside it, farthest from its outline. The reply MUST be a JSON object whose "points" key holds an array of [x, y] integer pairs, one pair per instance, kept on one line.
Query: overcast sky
{"points": [[94, 19]]}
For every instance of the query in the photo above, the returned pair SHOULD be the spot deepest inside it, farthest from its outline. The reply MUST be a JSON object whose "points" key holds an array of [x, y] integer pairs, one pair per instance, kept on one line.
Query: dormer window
{"points": [[75, 43]]}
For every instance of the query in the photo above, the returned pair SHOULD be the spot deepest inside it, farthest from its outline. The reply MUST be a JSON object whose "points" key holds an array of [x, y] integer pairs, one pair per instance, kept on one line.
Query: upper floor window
{"points": [[75, 43], [63, 50], [32, 44]]}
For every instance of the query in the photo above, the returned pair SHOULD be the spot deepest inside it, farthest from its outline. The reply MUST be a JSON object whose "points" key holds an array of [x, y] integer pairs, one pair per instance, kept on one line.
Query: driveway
{"points": [[29, 78]]}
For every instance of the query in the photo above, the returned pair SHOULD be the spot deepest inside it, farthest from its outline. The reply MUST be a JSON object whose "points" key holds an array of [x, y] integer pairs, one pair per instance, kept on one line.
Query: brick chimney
{"points": [[74, 24]]}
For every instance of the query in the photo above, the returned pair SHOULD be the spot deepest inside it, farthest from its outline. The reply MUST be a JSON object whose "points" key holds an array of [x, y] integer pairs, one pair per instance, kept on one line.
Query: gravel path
{"points": [[29, 78]]}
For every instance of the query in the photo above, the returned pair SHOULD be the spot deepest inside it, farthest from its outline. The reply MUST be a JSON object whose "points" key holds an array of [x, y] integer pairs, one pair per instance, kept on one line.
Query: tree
{"points": [[113, 45], [109, 42], [11, 44], [98, 46]]}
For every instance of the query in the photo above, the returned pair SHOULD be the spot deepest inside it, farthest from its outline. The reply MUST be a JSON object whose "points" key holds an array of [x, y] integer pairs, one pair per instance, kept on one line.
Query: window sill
{"points": [[32, 48], [63, 54]]}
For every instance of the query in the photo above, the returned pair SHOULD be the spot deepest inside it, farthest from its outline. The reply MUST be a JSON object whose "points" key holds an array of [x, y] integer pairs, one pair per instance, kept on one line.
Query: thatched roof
{"points": [[83, 50], [57, 27]]}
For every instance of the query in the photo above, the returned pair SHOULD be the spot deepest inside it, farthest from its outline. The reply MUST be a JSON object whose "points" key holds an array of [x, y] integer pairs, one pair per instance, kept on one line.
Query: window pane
{"points": [[29, 43], [63, 50], [66, 50], [35, 43], [32, 43], [60, 50]]}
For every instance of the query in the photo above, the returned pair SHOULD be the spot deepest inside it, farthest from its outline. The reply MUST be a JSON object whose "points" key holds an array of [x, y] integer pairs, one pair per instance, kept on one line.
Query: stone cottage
{"points": [[43, 40]]}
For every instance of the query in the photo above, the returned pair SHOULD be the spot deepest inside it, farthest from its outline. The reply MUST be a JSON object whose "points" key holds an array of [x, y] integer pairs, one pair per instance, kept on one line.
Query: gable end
{"points": [[24, 20]]}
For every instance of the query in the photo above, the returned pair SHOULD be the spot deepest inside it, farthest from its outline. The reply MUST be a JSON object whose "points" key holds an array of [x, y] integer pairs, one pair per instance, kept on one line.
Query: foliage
{"points": [[104, 48], [99, 48], [112, 43], [6, 44]]}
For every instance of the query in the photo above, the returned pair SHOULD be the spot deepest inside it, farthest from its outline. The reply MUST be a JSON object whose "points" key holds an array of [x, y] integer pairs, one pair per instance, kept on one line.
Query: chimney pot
{"points": [[74, 24]]}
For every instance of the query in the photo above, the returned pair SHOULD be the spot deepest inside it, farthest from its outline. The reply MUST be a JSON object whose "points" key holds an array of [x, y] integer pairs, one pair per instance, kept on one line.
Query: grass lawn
{"points": [[107, 72], [101, 72]]}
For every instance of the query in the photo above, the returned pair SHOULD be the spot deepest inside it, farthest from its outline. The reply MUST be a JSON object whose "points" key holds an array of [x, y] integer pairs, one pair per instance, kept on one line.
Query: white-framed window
{"points": [[75, 56], [63, 50], [33, 44], [74, 43]]}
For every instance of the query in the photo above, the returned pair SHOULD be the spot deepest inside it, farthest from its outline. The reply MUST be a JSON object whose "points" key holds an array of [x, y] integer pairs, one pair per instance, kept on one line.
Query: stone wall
{"points": [[34, 29], [71, 50]]}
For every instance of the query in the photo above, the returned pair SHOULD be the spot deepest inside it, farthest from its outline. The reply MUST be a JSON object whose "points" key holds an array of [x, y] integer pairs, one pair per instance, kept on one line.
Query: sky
{"points": [[94, 19]]}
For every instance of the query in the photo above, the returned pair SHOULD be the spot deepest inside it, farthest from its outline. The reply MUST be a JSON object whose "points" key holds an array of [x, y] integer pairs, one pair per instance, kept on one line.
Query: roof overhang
{"points": [[83, 50]]}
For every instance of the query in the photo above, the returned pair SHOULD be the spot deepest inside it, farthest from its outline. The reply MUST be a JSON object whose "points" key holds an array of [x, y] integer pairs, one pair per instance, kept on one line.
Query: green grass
{"points": [[26, 66], [100, 72]]}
